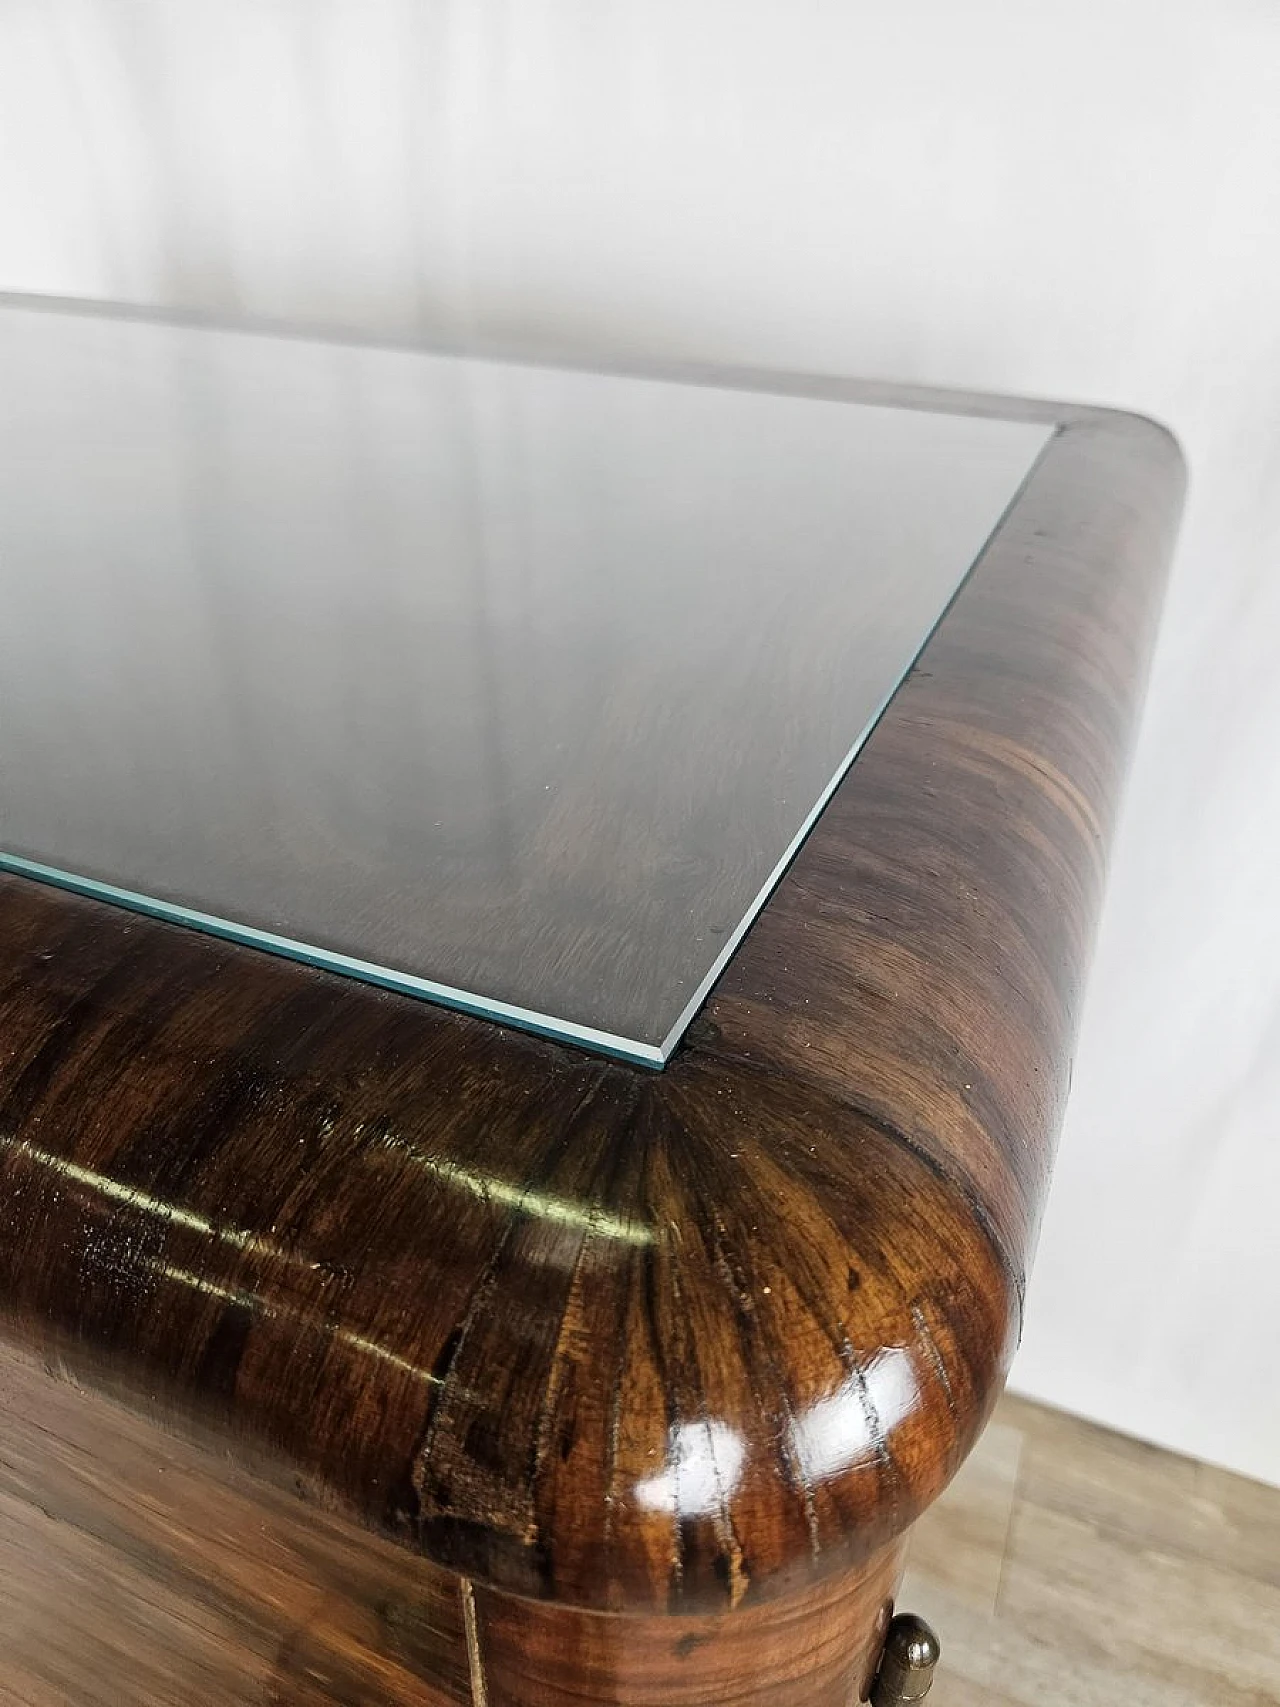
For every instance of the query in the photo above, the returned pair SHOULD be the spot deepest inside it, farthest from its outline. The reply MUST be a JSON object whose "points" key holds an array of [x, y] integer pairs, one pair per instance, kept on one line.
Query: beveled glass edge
{"points": [[542, 353], [330, 960], [671, 1041]]}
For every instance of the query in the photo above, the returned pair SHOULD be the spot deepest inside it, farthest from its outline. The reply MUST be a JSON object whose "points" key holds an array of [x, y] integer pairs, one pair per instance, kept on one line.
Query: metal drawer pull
{"points": [[907, 1664]]}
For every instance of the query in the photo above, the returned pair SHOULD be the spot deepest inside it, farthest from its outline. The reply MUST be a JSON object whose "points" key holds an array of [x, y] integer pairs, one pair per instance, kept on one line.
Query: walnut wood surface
{"points": [[816, 1647], [138, 1568], [675, 1342]]}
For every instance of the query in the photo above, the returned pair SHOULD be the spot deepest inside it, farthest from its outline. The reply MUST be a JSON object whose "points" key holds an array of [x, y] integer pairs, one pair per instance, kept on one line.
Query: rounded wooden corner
{"points": [[581, 1332], [767, 1352]]}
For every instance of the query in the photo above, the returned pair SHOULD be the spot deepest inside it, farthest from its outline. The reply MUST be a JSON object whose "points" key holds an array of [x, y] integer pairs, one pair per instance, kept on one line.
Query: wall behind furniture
{"points": [[1075, 199]]}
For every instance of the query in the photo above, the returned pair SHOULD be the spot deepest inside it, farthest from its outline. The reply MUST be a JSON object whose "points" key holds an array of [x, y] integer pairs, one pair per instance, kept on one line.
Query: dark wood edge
{"points": [[582, 1332]]}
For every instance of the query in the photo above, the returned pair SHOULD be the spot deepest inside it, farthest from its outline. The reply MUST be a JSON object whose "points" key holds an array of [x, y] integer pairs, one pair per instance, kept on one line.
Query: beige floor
{"points": [[1070, 1567]]}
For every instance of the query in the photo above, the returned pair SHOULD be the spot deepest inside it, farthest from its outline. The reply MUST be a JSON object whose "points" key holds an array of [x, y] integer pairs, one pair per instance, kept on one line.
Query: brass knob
{"points": [[906, 1666]]}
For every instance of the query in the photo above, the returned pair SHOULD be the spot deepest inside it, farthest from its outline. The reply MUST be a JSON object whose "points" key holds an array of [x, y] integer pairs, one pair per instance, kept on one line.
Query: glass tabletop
{"points": [[513, 687]]}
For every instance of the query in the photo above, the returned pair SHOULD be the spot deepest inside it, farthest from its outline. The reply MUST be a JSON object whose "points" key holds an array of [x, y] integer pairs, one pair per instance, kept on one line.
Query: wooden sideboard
{"points": [[359, 1351]]}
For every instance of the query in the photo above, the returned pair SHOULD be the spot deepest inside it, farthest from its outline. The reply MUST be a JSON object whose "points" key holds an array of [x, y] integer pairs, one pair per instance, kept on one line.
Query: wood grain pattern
{"points": [[630, 1343], [817, 1647], [136, 1567]]}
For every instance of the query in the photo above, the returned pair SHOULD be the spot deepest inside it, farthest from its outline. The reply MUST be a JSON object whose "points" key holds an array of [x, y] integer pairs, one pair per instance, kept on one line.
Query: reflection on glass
{"points": [[510, 686]]}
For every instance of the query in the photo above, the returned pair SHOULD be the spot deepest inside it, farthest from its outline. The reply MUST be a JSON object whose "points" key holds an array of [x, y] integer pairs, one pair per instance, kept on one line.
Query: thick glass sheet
{"points": [[511, 686]]}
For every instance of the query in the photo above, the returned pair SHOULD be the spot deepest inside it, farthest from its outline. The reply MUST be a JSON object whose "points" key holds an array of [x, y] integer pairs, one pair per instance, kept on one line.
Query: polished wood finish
{"points": [[679, 1344], [816, 1647], [139, 1567]]}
